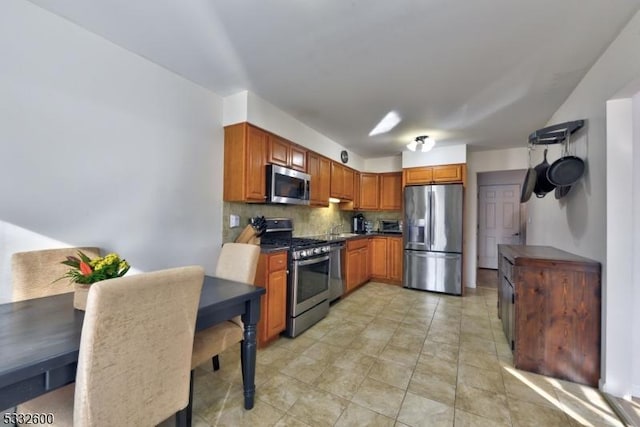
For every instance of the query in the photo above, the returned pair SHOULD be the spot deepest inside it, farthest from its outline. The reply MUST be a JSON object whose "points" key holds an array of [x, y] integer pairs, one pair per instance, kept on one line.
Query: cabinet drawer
{"points": [[357, 244], [278, 262], [507, 269]]}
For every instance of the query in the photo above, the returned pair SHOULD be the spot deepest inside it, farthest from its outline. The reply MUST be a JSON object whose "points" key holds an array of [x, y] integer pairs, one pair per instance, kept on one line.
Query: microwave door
{"points": [[417, 213]]}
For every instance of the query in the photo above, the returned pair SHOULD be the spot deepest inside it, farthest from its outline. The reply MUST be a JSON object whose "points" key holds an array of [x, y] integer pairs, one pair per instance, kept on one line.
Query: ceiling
{"points": [[483, 72]]}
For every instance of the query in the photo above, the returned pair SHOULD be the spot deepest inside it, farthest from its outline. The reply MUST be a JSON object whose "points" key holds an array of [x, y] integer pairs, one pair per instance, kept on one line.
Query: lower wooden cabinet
{"points": [[386, 259], [356, 263], [549, 304], [272, 275]]}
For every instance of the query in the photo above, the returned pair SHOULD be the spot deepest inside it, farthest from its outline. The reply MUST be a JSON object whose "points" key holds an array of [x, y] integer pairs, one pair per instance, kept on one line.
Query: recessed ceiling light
{"points": [[387, 123]]}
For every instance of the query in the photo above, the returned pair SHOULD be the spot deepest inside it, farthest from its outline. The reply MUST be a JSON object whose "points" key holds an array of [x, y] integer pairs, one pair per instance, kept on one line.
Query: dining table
{"points": [[40, 338]]}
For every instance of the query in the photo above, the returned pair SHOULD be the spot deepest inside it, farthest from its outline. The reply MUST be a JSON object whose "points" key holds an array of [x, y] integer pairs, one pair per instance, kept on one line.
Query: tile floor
{"points": [[388, 356]]}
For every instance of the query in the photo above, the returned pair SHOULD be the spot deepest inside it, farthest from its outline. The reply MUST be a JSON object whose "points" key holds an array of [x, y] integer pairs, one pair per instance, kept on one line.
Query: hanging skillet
{"points": [[529, 182], [543, 186], [567, 169]]}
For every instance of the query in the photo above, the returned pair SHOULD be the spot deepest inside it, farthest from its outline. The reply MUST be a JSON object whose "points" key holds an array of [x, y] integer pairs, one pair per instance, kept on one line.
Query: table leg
{"points": [[248, 357]]}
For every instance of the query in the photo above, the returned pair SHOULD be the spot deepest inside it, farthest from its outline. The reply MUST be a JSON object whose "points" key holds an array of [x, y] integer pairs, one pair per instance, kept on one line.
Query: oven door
{"points": [[309, 284]]}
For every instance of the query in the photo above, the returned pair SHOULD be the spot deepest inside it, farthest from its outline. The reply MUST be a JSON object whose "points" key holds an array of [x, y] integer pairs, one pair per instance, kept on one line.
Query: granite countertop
{"points": [[342, 237]]}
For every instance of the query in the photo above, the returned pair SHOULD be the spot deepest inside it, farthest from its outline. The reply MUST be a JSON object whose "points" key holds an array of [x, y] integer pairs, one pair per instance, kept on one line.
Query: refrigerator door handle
{"points": [[431, 219]]}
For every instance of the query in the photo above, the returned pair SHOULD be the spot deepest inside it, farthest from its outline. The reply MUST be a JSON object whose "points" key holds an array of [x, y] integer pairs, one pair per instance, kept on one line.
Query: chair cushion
{"points": [[214, 340], [57, 402]]}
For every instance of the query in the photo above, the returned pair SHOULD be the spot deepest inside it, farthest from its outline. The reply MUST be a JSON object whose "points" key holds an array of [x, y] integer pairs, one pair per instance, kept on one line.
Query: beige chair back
{"points": [[135, 351], [33, 272], [238, 261]]}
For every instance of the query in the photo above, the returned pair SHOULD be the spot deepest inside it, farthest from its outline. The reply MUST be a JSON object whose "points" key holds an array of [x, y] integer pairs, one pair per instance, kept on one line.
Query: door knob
{"points": [[516, 234]]}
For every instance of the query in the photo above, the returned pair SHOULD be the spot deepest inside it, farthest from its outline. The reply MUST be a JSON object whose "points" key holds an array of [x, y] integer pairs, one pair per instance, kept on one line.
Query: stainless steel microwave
{"points": [[287, 186], [390, 226]]}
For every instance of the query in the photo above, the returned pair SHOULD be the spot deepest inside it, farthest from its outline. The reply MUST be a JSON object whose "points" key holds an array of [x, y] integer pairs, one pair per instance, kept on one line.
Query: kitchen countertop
{"points": [[342, 237]]}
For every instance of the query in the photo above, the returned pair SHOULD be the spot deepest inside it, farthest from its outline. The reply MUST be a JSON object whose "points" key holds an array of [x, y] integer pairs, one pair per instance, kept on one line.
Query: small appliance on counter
{"points": [[392, 226], [368, 227], [358, 224]]}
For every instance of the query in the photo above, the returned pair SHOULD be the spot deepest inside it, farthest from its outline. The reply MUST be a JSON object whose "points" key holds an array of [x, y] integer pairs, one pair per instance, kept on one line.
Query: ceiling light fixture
{"points": [[421, 143], [387, 123]]}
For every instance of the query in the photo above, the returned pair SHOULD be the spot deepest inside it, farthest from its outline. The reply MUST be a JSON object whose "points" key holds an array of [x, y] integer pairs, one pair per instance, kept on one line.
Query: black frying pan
{"points": [[543, 186], [567, 169], [527, 186]]}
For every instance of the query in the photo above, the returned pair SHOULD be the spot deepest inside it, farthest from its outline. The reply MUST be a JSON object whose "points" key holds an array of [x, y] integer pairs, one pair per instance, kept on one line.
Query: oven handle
{"points": [[298, 263]]}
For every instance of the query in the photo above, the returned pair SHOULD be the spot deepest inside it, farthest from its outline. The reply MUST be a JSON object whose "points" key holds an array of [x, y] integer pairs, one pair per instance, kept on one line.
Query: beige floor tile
{"points": [[289, 421], [304, 369], [323, 351], [405, 340], [368, 346], [477, 345], [485, 334], [379, 397], [450, 338], [318, 408], [358, 416], [524, 414], [354, 361], [298, 344], [587, 406], [483, 403], [234, 415], [379, 332], [211, 393], [443, 369], [529, 389], [281, 391], [418, 411], [391, 373], [433, 388], [401, 355], [484, 379], [467, 419], [339, 381], [431, 349], [481, 360]]}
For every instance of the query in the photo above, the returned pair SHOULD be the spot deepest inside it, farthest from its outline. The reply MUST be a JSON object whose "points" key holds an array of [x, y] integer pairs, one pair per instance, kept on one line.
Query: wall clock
{"points": [[344, 156]]}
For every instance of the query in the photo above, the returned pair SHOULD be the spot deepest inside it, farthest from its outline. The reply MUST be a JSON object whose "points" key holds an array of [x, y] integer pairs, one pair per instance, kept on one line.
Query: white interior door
{"points": [[498, 221]]}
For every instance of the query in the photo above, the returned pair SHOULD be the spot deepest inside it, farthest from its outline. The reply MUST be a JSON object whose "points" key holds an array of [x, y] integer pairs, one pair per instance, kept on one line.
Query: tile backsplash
{"points": [[307, 221]]}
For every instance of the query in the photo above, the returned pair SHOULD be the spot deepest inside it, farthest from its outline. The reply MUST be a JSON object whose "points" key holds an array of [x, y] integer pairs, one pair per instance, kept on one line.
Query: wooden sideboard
{"points": [[549, 302]]}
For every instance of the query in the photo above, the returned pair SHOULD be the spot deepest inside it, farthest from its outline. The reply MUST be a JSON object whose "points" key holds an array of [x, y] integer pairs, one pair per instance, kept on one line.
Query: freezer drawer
{"points": [[433, 271]]}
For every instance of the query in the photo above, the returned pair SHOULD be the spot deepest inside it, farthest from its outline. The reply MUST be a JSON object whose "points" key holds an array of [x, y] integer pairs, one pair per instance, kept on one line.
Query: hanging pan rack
{"points": [[555, 134]]}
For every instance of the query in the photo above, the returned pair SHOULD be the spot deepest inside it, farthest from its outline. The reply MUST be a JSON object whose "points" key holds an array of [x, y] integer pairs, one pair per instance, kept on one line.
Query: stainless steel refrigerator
{"points": [[433, 238]]}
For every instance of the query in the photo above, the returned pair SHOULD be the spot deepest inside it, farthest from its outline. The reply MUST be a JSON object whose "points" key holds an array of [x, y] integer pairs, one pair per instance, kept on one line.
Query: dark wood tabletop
{"points": [[40, 338]]}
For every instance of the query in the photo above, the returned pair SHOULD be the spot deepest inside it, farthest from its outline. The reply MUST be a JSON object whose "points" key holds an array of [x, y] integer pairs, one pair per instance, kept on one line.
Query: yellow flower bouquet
{"points": [[86, 271]]}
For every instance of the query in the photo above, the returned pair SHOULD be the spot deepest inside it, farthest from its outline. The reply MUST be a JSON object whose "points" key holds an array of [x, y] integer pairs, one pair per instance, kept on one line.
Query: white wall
{"points": [[438, 155], [483, 161], [635, 313], [98, 146], [383, 164], [579, 225]]}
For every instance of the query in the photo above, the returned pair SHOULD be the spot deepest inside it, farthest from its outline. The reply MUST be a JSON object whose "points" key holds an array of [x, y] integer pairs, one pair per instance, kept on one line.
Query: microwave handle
{"points": [[306, 189]]}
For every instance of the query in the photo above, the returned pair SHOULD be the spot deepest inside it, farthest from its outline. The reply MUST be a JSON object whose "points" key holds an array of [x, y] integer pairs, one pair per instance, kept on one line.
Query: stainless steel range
{"points": [[308, 280]]}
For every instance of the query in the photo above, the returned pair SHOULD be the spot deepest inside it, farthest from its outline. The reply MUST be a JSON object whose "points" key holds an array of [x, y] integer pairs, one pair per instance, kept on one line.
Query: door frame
{"points": [[505, 177]]}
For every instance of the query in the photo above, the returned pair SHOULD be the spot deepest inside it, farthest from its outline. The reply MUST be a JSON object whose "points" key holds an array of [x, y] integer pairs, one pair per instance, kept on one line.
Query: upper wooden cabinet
{"points": [[319, 168], [245, 157], [455, 173], [285, 153], [342, 184], [369, 191], [391, 191]]}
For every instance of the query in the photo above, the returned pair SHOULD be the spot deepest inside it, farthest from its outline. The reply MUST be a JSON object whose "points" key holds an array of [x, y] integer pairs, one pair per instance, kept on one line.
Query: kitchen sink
{"points": [[340, 236]]}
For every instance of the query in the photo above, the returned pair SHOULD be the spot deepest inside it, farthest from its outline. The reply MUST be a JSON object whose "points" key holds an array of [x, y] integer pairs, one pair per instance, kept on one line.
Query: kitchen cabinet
{"points": [[319, 168], [442, 174], [549, 302], [356, 263], [271, 274], [386, 259], [342, 181], [391, 191], [287, 154], [369, 191], [245, 157]]}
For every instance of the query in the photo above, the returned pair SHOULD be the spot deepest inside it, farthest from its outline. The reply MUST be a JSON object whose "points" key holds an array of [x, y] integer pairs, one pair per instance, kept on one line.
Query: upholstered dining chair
{"points": [[34, 272], [238, 262], [135, 352]]}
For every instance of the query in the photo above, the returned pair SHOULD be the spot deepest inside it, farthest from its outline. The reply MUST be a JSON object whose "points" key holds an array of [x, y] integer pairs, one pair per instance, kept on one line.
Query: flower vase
{"points": [[80, 296]]}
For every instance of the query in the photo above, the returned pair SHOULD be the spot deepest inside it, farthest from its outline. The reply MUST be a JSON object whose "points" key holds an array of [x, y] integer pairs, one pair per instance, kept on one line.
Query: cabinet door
{"points": [[255, 187], [417, 176], [390, 191], [337, 180], [369, 191], [447, 173], [349, 177], [320, 170], [379, 257], [298, 158], [365, 268], [395, 250], [276, 314], [352, 269], [278, 151]]}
